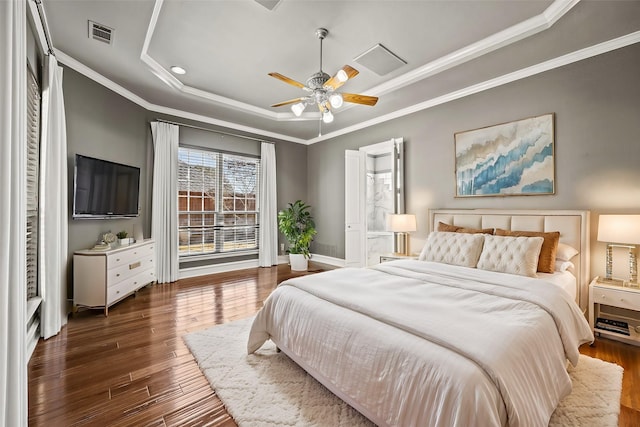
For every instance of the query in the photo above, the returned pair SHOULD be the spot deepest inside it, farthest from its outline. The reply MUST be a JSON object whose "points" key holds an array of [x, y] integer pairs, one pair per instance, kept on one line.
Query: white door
{"points": [[354, 209]]}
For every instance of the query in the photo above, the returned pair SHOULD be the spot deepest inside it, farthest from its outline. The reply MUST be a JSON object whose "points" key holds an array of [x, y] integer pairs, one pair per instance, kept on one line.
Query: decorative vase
{"points": [[298, 262]]}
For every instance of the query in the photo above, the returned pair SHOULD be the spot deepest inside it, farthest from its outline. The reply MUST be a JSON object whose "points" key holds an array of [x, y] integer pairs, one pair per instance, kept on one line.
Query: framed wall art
{"points": [[509, 159]]}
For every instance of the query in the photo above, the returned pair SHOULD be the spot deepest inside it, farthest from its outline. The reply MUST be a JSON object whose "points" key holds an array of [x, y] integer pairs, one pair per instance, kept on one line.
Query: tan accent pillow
{"points": [[547, 259], [455, 229]]}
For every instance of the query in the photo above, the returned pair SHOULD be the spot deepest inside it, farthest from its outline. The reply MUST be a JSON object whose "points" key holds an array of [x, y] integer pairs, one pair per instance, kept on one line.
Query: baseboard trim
{"points": [[204, 270], [336, 262]]}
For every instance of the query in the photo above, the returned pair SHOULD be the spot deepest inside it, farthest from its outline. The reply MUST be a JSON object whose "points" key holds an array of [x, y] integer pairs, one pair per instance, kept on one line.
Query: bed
{"points": [[417, 343]]}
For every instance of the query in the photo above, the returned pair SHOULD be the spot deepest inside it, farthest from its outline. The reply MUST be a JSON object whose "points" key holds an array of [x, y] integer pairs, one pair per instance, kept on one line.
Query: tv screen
{"points": [[104, 189]]}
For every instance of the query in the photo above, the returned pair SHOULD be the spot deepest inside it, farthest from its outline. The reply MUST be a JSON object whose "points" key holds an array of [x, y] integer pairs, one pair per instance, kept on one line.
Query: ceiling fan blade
{"points": [[291, 101], [334, 82], [287, 80], [360, 99]]}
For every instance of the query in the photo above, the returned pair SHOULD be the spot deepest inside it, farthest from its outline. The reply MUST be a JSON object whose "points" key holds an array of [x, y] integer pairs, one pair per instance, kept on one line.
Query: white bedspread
{"points": [[413, 343]]}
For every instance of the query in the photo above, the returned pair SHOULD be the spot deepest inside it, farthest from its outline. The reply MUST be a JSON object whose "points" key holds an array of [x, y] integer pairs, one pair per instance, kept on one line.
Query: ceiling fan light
{"points": [[298, 108], [327, 117], [342, 76], [336, 100]]}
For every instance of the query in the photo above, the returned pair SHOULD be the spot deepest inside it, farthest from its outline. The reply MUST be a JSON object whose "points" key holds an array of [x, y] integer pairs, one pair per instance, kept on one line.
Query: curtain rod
{"points": [[211, 130], [45, 27]]}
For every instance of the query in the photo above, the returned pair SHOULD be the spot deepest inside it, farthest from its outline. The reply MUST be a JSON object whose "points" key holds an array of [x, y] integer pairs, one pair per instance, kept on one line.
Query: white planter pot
{"points": [[298, 262], [124, 242]]}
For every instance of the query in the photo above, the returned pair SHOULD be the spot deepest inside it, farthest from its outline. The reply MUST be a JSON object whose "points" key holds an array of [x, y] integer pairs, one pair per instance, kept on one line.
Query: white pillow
{"points": [[461, 249], [514, 255], [566, 252], [564, 266]]}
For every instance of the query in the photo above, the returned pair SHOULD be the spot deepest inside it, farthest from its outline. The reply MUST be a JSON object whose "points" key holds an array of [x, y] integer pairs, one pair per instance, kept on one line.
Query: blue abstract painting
{"points": [[515, 158]]}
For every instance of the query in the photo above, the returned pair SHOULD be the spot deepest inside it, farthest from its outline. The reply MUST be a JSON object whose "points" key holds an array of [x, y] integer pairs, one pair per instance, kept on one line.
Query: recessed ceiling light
{"points": [[178, 70]]}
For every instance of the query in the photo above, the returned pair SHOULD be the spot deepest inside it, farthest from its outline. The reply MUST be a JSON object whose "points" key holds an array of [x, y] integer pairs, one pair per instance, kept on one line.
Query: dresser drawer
{"points": [[616, 297], [129, 286], [127, 256], [130, 269]]}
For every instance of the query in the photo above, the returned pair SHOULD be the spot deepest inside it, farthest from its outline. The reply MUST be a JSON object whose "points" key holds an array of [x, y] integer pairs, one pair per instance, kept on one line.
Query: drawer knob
{"points": [[117, 259], [118, 275], [117, 292], [603, 296]]}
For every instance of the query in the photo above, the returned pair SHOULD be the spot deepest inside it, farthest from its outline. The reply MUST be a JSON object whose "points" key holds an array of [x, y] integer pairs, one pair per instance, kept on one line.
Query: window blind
{"points": [[217, 202], [33, 167]]}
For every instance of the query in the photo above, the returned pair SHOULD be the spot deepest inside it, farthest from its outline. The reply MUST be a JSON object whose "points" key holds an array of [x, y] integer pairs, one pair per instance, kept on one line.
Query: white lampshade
{"points": [[327, 117], [401, 223], [342, 76], [336, 100], [619, 229], [298, 108]]}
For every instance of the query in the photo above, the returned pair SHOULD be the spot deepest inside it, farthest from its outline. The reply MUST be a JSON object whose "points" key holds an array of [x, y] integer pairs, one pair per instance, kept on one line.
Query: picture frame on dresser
{"points": [[508, 159]]}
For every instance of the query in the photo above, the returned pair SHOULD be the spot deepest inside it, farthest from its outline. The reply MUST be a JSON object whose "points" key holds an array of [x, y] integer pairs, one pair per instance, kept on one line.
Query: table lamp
{"points": [[620, 231], [401, 224]]}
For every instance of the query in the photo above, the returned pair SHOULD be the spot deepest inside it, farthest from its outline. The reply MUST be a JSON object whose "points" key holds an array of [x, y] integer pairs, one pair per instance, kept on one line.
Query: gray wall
{"points": [[597, 121], [102, 124], [597, 155]]}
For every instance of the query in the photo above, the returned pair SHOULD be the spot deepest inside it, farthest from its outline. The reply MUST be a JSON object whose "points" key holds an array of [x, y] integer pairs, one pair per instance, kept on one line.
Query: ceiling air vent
{"points": [[380, 60], [269, 4], [100, 32]]}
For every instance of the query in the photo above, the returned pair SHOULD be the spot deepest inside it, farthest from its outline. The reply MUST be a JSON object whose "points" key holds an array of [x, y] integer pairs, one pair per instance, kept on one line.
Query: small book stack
{"points": [[612, 326]]}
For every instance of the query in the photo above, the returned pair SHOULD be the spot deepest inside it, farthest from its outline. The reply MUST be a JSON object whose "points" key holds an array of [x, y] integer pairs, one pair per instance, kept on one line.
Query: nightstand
{"points": [[613, 294], [393, 257]]}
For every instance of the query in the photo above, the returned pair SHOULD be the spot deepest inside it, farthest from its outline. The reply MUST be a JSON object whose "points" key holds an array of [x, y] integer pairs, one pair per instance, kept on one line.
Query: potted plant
{"points": [[297, 225], [122, 238]]}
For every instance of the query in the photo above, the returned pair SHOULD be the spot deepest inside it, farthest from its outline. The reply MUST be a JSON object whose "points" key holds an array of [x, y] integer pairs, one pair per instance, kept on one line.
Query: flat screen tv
{"points": [[103, 189]]}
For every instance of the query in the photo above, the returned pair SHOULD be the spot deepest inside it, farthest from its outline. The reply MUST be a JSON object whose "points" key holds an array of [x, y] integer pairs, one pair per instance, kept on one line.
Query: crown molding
{"points": [[125, 93], [169, 79], [172, 81], [579, 55], [489, 44], [515, 33], [561, 61]]}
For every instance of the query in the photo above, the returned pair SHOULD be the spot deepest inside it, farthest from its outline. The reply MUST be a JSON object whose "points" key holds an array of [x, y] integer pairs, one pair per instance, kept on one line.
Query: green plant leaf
{"points": [[297, 225]]}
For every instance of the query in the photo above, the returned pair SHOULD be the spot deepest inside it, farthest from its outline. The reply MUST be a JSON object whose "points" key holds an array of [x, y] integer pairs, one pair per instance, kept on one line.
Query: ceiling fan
{"points": [[322, 89]]}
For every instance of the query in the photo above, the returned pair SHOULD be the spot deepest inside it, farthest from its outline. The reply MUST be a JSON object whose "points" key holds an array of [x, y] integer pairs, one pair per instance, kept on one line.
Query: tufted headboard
{"points": [[573, 226]]}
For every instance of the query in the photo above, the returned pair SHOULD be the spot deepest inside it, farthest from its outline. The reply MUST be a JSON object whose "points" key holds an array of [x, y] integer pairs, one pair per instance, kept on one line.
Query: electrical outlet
{"points": [[281, 247]]}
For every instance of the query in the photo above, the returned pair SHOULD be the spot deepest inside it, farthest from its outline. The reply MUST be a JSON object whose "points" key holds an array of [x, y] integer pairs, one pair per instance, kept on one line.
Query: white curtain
{"points": [[268, 203], [13, 160], [53, 251], [164, 207]]}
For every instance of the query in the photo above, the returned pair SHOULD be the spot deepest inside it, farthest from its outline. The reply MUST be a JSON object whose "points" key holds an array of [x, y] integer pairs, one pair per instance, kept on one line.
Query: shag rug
{"points": [[268, 389]]}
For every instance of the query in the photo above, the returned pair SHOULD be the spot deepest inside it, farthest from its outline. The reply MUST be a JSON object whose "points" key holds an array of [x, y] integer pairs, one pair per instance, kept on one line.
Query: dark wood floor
{"points": [[132, 368]]}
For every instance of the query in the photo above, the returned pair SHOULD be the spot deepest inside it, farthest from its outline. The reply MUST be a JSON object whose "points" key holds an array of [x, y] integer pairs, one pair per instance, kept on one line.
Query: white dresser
{"points": [[101, 278]]}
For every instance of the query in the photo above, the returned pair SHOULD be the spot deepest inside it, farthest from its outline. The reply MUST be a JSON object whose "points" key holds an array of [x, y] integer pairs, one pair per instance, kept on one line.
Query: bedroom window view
{"points": [[217, 202]]}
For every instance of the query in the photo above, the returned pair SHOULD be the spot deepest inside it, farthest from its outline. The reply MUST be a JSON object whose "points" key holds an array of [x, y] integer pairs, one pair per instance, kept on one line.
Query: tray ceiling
{"points": [[451, 49]]}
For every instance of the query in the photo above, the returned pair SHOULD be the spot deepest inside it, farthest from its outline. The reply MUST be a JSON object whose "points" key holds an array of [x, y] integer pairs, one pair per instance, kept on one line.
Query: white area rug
{"points": [[268, 389]]}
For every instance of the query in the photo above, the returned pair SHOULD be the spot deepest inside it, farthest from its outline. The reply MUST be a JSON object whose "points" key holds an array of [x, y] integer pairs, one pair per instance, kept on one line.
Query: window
{"points": [[217, 202], [33, 167]]}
